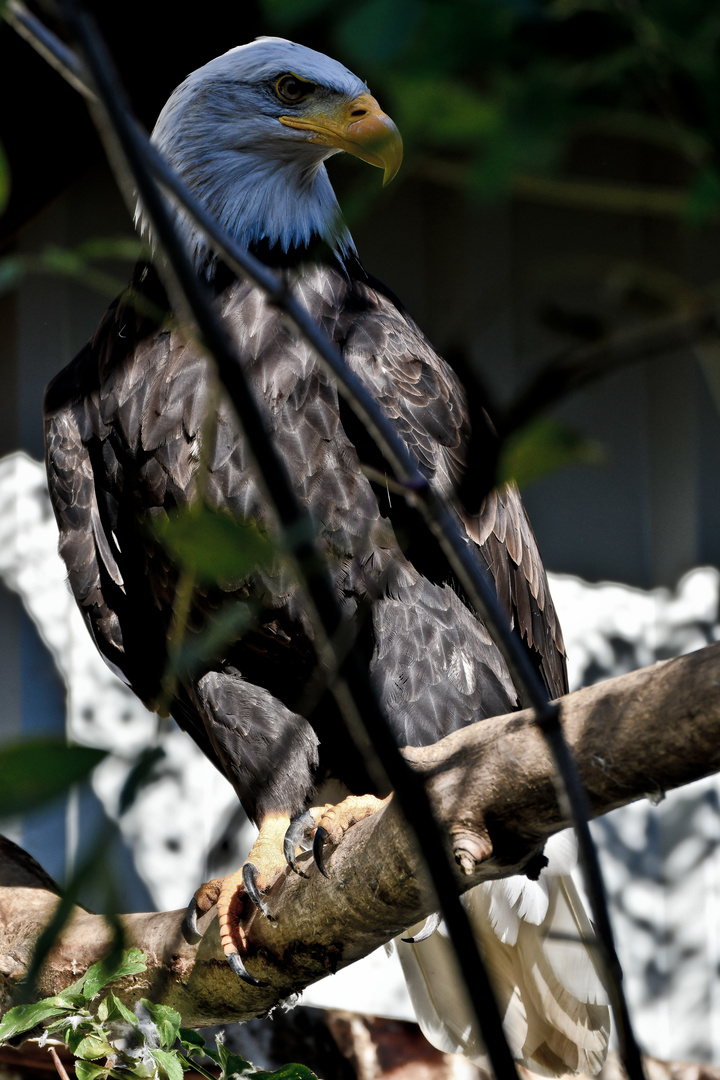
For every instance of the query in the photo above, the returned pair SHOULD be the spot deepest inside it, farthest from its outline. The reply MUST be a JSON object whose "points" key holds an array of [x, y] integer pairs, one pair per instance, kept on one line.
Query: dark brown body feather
{"points": [[128, 442]]}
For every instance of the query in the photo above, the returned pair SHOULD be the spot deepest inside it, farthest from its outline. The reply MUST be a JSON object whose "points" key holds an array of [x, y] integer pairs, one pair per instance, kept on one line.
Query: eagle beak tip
{"points": [[390, 173]]}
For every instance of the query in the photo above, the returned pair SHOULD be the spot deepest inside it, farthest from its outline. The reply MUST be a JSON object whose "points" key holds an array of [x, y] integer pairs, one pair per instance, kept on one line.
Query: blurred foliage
{"points": [[214, 545], [92, 263], [508, 86], [35, 773], [141, 772], [193, 651], [543, 447]]}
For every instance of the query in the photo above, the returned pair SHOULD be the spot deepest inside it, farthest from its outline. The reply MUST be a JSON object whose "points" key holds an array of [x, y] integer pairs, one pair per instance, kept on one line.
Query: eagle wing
{"points": [[426, 403], [102, 412]]}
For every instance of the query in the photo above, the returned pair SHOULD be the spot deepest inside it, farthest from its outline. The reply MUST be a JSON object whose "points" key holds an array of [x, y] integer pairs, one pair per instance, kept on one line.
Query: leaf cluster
{"points": [[113, 1041]]}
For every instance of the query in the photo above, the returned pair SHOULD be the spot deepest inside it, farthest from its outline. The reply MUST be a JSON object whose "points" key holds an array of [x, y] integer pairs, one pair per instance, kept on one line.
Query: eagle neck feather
{"points": [[263, 203]]}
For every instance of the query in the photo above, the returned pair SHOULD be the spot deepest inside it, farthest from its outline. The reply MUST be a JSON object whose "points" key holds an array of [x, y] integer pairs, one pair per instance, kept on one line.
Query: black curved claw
{"points": [[429, 927], [241, 971], [295, 832], [318, 844], [250, 882], [190, 923]]}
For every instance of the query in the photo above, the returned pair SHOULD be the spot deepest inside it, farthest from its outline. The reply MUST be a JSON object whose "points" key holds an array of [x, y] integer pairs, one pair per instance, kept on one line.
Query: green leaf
{"points": [[36, 772], [87, 1070], [543, 447], [24, 1017], [73, 1035], [230, 1063], [168, 1064], [237, 1066], [93, 1046], [195, 1046], [166, 1020], [192, 1041], [213, 545], [114, 1009], [70, 999], [82, 1023], [132, 962], [286, 1072], [73, 992]]}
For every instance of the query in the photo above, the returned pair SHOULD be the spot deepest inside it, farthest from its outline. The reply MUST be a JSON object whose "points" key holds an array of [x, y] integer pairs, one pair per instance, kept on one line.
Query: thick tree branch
{"points": [[493, 788]]}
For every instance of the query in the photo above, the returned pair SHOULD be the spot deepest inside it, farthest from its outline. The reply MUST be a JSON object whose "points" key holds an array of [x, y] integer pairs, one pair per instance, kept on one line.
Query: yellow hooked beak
{"points": [[360, 127]]}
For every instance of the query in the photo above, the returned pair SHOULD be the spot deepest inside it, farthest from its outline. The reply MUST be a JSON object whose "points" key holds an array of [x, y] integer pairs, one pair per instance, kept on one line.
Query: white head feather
{"points": [[261, 180]]}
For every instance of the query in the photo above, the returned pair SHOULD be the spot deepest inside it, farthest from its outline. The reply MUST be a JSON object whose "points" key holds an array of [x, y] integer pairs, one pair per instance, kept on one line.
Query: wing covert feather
{"points": [[422, 397]]}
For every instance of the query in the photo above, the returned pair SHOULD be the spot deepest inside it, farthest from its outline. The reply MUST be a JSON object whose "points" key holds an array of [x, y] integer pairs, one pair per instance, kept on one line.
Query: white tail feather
{"points": [[536, 941]]}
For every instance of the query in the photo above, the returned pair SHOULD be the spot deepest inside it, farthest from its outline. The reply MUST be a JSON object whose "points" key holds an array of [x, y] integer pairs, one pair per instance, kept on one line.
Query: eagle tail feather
{"points": [[540, 958]]}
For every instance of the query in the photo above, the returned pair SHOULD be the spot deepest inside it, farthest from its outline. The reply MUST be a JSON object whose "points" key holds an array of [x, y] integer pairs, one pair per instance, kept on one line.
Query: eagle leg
{"points": [[334, 821], [264, 864], [204, 898]]}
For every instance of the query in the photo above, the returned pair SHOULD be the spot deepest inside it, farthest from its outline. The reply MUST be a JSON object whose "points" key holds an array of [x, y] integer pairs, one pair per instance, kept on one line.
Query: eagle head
{"points": [[249, 134]]}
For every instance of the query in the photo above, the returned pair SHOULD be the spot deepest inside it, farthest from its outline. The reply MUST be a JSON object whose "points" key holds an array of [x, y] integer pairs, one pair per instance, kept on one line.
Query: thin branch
{"points": [[565, 191], [59, 1067], [574, 369]]}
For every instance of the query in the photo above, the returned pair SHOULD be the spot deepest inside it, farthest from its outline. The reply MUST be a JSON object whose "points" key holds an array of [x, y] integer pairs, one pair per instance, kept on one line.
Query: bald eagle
{"points": [[137, 429]]}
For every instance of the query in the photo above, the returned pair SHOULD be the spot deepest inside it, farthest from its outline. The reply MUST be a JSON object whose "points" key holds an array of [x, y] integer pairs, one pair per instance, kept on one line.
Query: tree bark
{"points": [[493, 788]]}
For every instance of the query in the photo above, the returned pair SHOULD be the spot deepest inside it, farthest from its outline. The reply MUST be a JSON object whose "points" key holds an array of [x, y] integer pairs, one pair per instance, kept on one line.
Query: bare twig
{"points": [[574, 369], [61, 1071]]}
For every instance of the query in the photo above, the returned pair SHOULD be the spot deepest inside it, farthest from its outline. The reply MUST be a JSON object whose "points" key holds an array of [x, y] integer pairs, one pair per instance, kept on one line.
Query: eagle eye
{"points": [[292, 89]]}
